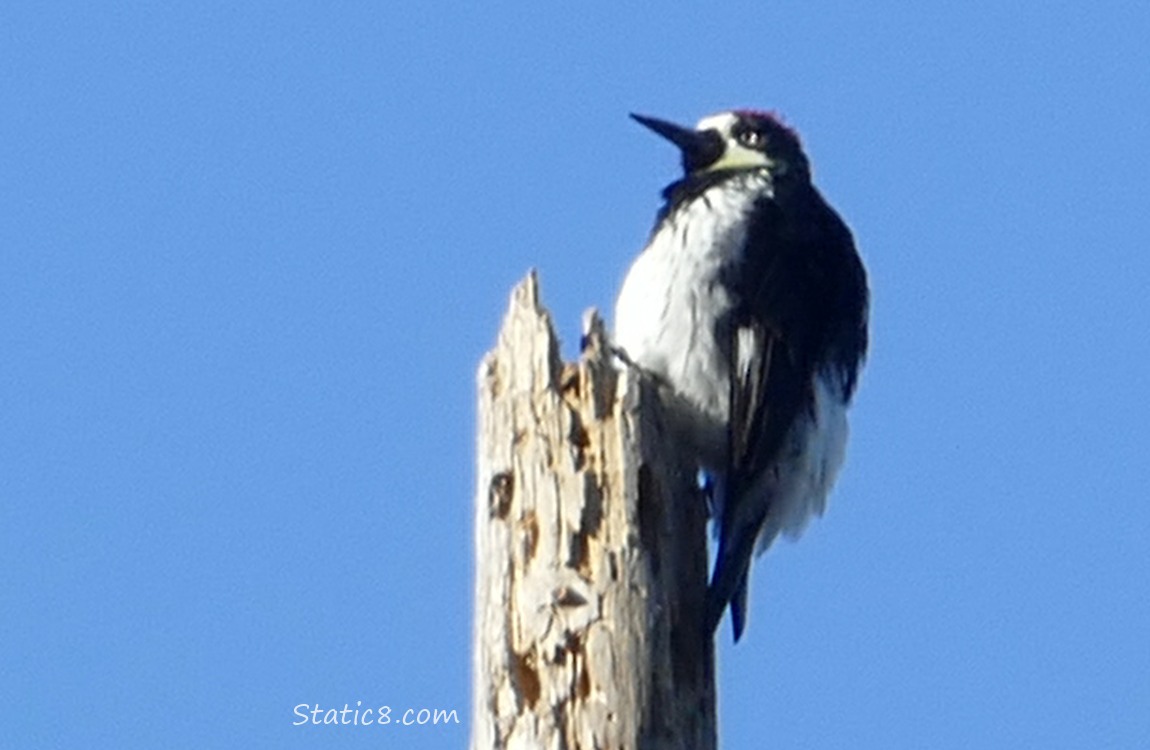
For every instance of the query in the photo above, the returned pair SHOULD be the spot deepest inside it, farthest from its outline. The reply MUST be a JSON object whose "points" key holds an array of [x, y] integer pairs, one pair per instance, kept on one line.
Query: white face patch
{"points": [[735, 155], [722, 122]]}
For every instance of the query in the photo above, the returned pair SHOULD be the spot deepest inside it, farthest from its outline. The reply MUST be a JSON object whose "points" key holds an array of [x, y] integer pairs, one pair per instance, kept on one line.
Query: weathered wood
{"points": [[590, 555]]}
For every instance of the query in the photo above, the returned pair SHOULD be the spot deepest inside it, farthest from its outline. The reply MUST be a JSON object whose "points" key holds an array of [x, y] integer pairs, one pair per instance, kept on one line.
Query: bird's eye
{"points": [[751, 138]]}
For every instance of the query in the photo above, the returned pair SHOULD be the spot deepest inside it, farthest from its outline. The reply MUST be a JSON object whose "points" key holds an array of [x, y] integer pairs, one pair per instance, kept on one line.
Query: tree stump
{"points": [[591, 556]]}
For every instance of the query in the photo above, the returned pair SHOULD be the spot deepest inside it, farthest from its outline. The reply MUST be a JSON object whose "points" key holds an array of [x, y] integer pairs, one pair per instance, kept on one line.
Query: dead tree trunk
{"points": [[590, 555]]}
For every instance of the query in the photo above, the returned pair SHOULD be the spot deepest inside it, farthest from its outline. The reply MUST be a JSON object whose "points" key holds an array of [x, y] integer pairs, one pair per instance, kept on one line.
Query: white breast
{"points": [[670, 304]]}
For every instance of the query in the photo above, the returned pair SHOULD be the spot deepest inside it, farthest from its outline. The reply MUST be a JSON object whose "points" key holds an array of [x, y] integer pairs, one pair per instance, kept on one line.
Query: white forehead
{"points": [[722, 122]]}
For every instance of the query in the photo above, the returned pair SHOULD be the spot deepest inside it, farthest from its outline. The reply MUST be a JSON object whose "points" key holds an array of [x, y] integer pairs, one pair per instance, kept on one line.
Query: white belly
{"points": [[808, 465]]}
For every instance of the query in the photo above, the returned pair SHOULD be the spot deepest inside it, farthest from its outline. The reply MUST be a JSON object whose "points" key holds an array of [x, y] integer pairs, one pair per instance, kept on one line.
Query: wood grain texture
{"points": [[590, 548]]}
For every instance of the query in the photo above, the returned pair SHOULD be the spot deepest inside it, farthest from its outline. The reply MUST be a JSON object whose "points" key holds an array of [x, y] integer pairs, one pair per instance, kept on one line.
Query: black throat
{"points": [[691, 187]]}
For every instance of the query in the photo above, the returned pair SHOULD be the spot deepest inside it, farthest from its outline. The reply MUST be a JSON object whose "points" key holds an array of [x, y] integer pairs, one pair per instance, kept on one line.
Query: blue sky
{"points": [[250, 256]]}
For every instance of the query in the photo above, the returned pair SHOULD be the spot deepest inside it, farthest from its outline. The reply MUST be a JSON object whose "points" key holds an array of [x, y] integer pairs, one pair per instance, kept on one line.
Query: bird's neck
{"points": [[694, 185]]}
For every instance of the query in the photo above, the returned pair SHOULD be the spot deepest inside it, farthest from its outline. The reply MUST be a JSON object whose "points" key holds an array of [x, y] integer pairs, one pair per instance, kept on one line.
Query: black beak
{"points": [[700, 148]]}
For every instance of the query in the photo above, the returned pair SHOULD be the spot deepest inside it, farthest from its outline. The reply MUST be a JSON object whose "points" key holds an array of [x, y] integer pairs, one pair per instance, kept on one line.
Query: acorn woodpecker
{"points": [[749, 307]]}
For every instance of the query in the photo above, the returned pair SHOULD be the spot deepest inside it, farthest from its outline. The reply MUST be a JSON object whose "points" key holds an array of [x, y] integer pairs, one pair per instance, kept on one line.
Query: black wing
{"points": [[798, 292]]}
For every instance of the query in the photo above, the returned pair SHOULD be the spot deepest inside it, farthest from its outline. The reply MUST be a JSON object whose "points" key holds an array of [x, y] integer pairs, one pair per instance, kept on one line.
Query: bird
{"points": [[749, 308]]}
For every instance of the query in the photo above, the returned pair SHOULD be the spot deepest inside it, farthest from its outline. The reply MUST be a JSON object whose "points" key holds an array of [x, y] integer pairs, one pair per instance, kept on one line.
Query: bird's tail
{"points": [[729, 580]]}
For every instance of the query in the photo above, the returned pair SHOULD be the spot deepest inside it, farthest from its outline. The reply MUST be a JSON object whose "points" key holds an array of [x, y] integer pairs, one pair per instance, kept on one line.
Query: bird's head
{"points": [[735, 140]]}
